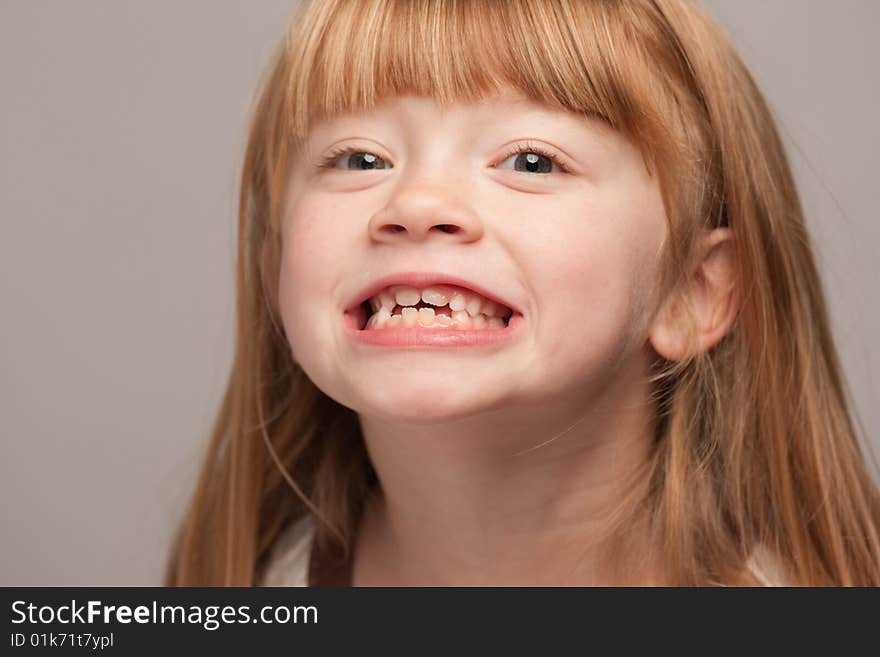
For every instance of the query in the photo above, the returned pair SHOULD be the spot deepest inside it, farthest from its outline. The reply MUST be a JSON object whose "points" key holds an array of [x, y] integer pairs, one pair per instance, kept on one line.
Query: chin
{"points": [[424, 404]]}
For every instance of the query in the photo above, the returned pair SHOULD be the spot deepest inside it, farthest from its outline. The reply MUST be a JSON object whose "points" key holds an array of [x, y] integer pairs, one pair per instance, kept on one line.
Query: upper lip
{"points": [[421, 280]]}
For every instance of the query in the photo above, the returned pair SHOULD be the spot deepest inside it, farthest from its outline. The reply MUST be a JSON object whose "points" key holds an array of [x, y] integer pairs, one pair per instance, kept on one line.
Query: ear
{"points": [[711, 295]]}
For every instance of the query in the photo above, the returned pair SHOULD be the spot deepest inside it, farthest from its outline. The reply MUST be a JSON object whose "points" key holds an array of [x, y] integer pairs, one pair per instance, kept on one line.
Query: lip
{"points": [[421, 280], [419, 336]]}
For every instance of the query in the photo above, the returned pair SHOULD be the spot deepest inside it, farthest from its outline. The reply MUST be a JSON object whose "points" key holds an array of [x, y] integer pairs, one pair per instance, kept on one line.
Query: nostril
{"points": [[447, 228]]}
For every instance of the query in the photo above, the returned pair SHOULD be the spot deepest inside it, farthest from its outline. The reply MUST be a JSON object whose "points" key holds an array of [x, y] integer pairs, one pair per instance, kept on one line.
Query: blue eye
{"points": [[360, 159], [535, 160]]}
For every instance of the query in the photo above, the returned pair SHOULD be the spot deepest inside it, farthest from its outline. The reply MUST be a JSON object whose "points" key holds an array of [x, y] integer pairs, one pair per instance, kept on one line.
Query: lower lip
{"points": [[419, 336]]}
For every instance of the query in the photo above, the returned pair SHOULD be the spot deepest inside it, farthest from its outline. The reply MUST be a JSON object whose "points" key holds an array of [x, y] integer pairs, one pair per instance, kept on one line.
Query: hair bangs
{"points": [[347, 56]]}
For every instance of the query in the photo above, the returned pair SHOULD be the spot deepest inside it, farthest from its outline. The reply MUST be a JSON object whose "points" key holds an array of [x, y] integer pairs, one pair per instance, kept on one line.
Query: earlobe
{"points": [[668, 334], [709, 294]]}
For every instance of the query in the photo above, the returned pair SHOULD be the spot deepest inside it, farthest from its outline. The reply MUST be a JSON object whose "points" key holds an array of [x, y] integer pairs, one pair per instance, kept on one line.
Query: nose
{"points": [[419, 209]]}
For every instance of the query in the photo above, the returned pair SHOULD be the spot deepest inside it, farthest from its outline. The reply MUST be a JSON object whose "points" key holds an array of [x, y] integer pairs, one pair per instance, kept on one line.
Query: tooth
{"points": [[496, 323], [405, 295], [461, 318], [434, 296], [442, 320], [382, 300], [371, 323], [409, 316], [394, 321], [387, 300], [473, 305], [490, 308], [426, 316], [458, 301], [478, 321], [382, 317]]}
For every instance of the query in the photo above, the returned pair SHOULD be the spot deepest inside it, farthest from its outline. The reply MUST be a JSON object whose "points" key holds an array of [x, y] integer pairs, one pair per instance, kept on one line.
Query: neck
{"points": [[525, 494]]}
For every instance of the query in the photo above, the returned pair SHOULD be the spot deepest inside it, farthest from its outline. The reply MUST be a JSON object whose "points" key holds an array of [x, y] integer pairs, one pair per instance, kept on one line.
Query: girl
{"points": [[525, 296]]}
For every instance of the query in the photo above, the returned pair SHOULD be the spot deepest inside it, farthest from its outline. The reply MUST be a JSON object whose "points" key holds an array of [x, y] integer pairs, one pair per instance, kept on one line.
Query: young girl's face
{"points": [[573, 244]]}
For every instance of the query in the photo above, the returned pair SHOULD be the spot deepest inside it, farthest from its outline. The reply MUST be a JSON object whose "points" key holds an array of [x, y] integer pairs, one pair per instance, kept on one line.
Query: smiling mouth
{"points": [[438, 307]]}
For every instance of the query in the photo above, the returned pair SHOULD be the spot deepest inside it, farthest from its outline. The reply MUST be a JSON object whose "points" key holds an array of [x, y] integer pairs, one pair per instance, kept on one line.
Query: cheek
{"points": [[591, 279], [590, 315], [312, 239], [310, 247], [294, 297]]}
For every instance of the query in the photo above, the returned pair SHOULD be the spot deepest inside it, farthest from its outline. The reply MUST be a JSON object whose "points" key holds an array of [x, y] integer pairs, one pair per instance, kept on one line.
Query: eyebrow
{"points": [[591, 128]]}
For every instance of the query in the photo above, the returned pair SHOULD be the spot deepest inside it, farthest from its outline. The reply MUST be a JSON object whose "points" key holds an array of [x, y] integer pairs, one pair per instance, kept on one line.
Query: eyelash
{"points": [[527, 147]]}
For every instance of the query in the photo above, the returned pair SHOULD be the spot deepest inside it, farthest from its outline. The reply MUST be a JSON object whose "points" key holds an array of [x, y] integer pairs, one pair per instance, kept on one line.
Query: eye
{"points": [[358, 159], [535, 159]]}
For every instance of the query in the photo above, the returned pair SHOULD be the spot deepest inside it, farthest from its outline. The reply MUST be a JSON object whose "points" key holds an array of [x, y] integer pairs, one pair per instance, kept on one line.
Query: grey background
{"points": [[123, 129]]}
